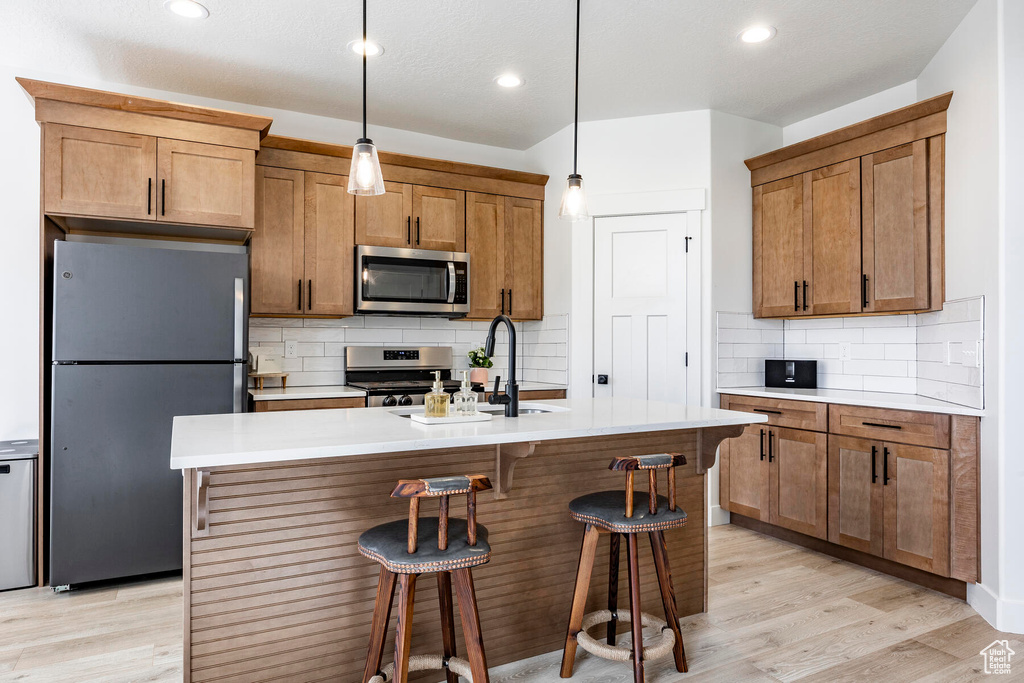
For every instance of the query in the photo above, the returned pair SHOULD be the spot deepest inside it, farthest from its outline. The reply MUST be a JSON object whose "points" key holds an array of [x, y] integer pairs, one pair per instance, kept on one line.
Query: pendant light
{"points": [[574, 199], [364, 176]]}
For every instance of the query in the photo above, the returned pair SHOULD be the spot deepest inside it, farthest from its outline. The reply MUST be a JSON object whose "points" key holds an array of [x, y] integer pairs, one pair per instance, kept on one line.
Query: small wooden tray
{"points": [[259, 377], [451, 419]]}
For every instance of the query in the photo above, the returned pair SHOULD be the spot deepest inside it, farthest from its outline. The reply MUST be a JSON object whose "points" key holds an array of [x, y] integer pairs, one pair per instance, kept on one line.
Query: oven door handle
{"points": [[451, 282]]}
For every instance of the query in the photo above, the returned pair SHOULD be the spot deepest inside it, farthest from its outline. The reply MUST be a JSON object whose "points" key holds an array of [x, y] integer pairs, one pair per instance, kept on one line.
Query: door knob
{"points": [[602, 379]]}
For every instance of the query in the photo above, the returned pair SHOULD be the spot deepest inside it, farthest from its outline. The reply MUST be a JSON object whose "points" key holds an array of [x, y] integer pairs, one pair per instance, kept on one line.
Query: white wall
{"points": [[865, 108], [19, 195]]}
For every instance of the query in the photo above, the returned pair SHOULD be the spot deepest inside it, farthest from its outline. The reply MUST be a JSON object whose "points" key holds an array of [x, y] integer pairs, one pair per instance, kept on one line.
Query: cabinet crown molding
{"points": [[58, 92]]}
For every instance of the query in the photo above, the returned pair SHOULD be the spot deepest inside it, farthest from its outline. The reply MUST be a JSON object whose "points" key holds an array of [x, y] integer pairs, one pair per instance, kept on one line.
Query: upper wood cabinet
{"points": [[413, 216], [851, 222], [205, 184], [303, 245], [504, 238]]}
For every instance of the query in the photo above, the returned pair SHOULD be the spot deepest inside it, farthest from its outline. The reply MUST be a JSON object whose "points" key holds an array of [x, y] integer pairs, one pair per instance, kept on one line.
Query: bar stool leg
{"points": [[379, 626], [613, 585], [444, 598], [634, 608], [403, 630], [668, 596], [471, 625], [579, 598]]}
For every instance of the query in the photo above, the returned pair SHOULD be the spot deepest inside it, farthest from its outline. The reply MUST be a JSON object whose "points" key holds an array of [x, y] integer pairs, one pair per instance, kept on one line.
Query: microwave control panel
{"points": [[461, 283]]}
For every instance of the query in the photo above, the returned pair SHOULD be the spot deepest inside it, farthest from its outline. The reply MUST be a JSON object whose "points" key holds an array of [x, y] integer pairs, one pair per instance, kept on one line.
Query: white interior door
{"points": [[640, 316]]}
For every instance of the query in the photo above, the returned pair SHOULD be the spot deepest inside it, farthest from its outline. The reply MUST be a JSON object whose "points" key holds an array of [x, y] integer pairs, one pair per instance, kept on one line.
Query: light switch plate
{"points": [[970, 352], [845, 350], [291, 349]]}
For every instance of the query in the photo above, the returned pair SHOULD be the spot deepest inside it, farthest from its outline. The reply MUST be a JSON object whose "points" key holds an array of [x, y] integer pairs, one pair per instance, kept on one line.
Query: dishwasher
{"points": [[18, 461]]}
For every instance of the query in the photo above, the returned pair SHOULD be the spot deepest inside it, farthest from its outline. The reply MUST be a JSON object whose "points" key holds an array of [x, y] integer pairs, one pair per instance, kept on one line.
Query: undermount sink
{"points": [[496, 411]]}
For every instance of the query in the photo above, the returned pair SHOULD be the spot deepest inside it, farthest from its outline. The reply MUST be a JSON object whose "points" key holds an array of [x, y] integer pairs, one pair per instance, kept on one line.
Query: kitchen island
{"points": [[274, 502]]}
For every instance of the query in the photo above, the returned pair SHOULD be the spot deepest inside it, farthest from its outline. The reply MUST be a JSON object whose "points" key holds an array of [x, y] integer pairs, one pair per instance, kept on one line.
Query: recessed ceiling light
{"points": [[509, 81], [190, 9], [372, 49], [757, 34]]}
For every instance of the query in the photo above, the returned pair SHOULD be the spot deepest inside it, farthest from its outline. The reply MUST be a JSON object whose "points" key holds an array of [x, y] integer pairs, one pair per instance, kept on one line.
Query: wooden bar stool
{"points": [[405, 551], [612, 512]]}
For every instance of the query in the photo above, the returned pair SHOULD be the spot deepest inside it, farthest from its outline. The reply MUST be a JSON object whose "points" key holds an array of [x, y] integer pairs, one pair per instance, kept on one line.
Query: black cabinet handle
{"points": [[503, 302], [761, 441], [417, 230], [771, 456], [796, 295], [874, 467], [149, 197], [510, 301], [300, 295], [163, 197], [876, 424], [885, 467], [310, 297], [408, 229], [805, 295], [864, 291], [765, 410]]}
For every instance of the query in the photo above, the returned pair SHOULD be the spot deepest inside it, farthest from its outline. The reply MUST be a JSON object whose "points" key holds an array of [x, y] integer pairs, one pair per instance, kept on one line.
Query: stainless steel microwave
{"points": [[394, 281]]}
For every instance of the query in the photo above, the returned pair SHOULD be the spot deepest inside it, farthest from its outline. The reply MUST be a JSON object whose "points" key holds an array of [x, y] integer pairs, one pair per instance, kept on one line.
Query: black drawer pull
{"points": [[765, 410], [771, 456], [149, 198], [805, 295], [874, 470], [864, 291], [163, 197], [876, 424], [408, 229], [885, 467], [796, 295]]}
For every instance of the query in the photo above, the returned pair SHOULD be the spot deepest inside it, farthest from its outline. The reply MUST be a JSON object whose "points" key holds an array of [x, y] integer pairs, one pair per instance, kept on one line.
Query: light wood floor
{"points": [[777, 613]]}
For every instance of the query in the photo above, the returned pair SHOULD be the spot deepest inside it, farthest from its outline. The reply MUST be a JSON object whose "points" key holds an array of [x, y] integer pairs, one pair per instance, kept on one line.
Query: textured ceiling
{"points": [[441, 56]]}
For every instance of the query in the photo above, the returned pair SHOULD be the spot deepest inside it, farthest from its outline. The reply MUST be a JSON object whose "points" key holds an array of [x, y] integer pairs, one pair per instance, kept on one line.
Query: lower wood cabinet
{"points": [[307, 404], [778, 476], [868, 484]]}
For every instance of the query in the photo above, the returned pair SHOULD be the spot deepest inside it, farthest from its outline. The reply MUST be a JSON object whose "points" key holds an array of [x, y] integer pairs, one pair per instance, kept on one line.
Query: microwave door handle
{"points": [[451, 282]]}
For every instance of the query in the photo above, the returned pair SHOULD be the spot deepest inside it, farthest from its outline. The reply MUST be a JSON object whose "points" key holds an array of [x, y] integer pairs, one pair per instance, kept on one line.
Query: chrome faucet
{"points": [[510, 399]]}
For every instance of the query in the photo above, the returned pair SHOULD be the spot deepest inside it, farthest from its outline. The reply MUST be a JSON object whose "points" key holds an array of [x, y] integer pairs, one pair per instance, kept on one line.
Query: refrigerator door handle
{"points": [[240, 353], [238, 389]]}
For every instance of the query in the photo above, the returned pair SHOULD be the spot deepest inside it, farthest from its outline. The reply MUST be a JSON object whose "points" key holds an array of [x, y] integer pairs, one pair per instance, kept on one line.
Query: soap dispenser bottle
{"points": [[435, 404], [466, 399]]}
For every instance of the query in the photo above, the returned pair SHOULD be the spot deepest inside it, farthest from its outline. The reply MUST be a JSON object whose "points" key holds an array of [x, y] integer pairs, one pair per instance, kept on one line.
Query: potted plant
{"points": [[479, 361]]}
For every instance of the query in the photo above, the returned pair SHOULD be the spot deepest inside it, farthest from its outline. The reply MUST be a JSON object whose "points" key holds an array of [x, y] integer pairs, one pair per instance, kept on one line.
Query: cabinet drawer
{"points": [[782, 413], [308, 404], [897, 426]]}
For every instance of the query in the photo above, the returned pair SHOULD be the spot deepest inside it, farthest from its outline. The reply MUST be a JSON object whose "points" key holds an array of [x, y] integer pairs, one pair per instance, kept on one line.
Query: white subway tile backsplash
{"points": [[804, 351], [890, 335], [879, 321], [870, 351], [900, 352], [309, 349], [264, 334], [883, 368], [734, 321], [316, 334], [835, 335], [739, 336], [895, 385], [323, 364]]}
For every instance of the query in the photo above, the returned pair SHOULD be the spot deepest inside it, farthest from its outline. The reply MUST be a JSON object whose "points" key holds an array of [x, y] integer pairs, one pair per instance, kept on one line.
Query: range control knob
{"points": [[390, 401], [405, 400]]}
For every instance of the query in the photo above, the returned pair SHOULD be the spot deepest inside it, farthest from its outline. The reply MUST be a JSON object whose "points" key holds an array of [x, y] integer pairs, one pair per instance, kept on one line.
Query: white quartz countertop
{"points": [[200, 441], [295, 393], [871, 399]]}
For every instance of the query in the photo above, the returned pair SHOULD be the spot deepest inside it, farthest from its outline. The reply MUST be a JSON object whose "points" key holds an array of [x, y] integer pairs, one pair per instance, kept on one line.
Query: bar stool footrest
{"points": [[425, 663], [661, 647]]}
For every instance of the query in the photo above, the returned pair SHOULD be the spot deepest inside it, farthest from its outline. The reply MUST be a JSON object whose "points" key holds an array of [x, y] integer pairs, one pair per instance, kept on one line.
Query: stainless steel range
{"points": [[399, 376]]}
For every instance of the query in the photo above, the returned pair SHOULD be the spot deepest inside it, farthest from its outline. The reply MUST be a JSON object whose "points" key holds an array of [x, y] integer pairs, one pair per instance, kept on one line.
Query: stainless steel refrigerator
{"points": [[140, 334]]}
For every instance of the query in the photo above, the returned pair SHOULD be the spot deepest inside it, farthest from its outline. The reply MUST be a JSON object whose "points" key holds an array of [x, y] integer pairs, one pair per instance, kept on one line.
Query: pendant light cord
{"points": [[576, 112], [364, 67]]}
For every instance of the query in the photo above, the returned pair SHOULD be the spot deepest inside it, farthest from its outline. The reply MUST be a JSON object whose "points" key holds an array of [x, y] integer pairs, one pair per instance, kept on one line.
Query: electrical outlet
{"points": [[291, 349], [845, 350], [970, 352], [949, 353]]}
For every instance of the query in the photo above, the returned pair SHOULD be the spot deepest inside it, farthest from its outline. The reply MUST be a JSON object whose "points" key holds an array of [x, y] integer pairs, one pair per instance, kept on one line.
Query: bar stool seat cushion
{"points": [[607, 510], [387, 544]]}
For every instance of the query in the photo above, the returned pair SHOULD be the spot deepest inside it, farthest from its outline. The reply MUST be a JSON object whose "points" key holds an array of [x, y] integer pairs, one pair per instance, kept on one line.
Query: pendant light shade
{"points": [[574, 198], [364, 176]]}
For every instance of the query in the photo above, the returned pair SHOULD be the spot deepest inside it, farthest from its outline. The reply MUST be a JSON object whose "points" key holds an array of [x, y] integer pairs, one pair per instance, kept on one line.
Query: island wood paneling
{"points": [[276, 590]]}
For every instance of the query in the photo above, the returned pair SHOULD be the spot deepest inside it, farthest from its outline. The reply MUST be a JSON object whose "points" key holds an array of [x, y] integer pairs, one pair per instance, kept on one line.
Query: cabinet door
{"points": [[385, 220], [439, 218], [834, 273], [524, 258], [205, 184], [330, 245], [485, 242], [98, 173], [779, 248], [855, 494], [799, 481], [917, 507], [895, 228], [277, 242], [745, 481]]}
